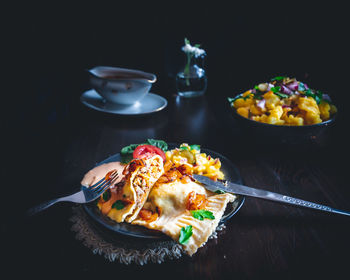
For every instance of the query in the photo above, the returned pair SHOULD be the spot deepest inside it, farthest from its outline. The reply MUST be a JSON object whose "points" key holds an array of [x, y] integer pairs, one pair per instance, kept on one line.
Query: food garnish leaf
{"points": [[281, 95], [126, 158], [278, 78], [301, 87], [277, 91], [129, 149], [202, 214], [195, 147], [106, 195], [315, 95], [158, 143], [185, 234], [118, 205], [220, 191]]}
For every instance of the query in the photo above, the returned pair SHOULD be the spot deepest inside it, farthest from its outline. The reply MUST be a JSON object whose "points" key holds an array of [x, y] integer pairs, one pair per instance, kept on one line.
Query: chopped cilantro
{"points": [[301, 87], [185, 234], [202, 214], [195, 147], [118, 205], [278, 78], [315, 95], [277, 91], [281, 95], [106, 195], [219, 191]]}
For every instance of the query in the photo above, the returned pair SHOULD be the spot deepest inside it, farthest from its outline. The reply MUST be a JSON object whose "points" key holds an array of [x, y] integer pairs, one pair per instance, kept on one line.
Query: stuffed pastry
{"points": [[124, 201], [177, 203]]}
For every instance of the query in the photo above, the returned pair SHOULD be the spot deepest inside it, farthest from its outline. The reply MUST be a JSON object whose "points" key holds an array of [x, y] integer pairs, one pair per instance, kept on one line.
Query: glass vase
{"points": [[192, 80]]}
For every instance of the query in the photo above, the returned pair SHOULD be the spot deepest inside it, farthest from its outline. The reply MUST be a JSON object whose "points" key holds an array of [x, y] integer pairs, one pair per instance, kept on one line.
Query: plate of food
{"points": [[156, 196], [284, 101], [284, 111]]}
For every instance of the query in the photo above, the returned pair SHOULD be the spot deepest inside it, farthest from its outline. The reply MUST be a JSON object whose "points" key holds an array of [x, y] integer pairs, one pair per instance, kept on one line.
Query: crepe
{"points": [[168, 209], [129, 196]]}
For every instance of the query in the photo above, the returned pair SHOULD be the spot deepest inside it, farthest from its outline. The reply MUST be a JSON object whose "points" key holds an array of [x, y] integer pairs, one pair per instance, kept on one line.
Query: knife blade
{"points": [[238, 189]]}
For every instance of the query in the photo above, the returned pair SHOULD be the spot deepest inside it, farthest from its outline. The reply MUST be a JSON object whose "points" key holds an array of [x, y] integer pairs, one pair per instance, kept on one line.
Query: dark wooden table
{"points": [[262, 239], [51, 140]]}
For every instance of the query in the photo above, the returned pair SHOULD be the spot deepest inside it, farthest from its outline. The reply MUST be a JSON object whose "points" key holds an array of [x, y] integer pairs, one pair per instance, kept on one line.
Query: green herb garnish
{"points": [[220, 191], [185, 234], [277, 91], [281, 95], [202, 214], [129, 149], [315, 95], [278, 78], [301, 87], [182, 148], [118, 205], [106, 195], [158, 143], [195, 147]]}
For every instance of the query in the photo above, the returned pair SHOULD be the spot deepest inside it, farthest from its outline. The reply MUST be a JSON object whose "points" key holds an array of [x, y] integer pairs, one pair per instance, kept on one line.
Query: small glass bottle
{"points": [[192, 80]]}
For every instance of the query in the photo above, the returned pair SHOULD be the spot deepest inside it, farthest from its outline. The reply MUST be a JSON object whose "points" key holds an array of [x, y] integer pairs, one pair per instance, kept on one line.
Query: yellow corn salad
{"points": [[200, 163], [284, 101]]}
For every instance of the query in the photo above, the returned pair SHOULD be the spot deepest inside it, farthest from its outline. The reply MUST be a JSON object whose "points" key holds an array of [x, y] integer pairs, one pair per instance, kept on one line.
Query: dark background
{"points": [[46, 49], [246, 43]]}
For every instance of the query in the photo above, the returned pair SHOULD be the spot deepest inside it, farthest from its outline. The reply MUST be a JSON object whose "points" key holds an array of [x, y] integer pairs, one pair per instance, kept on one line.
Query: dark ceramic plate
{"points": [[231, 174]]}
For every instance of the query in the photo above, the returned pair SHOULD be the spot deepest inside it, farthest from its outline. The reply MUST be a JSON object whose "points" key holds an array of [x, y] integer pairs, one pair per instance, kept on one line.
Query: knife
{"points": [[230, 187]]}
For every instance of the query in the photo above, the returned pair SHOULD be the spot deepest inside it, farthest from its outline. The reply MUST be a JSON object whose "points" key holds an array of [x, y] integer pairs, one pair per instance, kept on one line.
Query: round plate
{"points": [[151, 103], [231, 174]]}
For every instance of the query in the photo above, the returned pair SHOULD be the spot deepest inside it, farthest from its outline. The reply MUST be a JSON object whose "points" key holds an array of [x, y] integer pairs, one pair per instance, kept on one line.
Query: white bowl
{"points": [[121, 85]]}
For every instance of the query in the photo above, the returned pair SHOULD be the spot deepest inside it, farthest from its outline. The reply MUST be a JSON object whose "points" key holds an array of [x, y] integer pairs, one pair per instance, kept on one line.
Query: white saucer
{"points": [[149, 104]]}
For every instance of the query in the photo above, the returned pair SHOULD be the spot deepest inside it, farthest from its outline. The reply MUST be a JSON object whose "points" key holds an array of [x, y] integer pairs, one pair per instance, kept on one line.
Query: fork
{"points": [[87, 194]]}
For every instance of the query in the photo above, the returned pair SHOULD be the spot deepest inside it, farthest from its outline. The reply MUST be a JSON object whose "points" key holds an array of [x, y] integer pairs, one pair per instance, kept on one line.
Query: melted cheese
{"points": [[171, 199]]}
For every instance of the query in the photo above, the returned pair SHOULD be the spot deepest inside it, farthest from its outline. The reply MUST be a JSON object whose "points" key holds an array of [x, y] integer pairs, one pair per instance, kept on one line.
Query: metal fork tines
{"points": [[105, 182], [87, 194]]}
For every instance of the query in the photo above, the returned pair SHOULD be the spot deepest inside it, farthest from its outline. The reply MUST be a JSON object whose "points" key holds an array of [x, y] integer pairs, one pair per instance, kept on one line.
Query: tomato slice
{"points": [[146, 151]]}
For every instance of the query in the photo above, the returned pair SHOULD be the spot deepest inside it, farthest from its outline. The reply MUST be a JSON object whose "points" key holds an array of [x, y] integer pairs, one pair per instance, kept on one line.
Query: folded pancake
{"points": [[171, 205], [126, 199]]}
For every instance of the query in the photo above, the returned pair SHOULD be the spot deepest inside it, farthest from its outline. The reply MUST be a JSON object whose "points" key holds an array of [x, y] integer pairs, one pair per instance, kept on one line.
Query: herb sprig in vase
{"points": [[192, 81]]}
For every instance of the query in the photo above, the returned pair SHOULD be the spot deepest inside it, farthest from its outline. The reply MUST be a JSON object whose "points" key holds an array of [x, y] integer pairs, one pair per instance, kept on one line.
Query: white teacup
{"points": [[120, 85]]}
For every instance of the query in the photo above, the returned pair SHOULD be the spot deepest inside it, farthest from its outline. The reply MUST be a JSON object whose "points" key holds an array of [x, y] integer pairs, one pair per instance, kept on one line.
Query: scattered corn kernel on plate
{"points": [[284, 101]]}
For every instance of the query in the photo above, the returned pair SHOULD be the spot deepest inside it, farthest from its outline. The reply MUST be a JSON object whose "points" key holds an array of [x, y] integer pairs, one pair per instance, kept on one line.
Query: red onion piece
{"points": [[293, 86], [261, 104], [286, 90]]}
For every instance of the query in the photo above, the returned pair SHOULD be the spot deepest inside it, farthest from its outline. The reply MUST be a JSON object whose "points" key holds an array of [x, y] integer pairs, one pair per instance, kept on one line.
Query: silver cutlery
{"points": [[238, 189], [87, 194]]}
